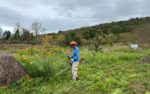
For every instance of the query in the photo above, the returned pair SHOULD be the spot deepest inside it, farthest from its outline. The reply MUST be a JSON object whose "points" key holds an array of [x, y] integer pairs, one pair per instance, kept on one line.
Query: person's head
{"points": [[73, 44]]}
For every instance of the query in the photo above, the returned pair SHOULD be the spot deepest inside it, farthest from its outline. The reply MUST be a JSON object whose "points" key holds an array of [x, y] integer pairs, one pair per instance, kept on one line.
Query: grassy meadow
{"points": [[116, 70]]}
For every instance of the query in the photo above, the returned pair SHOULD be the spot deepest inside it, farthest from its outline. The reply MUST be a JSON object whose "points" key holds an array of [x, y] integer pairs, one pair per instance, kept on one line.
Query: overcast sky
{"points": [[66, 14]]}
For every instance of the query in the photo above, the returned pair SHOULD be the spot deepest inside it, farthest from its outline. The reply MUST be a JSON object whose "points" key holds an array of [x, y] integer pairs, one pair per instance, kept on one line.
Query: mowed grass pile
{"points": [[119, 70]]}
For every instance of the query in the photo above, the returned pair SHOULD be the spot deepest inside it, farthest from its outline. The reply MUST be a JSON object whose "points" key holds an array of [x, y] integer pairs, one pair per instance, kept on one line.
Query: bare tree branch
{"points": [[37, 28]]}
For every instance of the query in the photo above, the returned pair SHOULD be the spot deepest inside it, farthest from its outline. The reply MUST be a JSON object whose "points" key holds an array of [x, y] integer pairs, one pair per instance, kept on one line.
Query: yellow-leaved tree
{"points": [[46, 40]]}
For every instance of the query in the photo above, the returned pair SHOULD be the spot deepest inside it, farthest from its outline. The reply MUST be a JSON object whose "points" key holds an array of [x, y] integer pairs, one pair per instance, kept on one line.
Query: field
{"points": [[117, 70]]}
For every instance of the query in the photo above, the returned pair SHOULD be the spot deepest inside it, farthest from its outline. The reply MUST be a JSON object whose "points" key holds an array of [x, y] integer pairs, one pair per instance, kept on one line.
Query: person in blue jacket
{"points": [[75, 59]]}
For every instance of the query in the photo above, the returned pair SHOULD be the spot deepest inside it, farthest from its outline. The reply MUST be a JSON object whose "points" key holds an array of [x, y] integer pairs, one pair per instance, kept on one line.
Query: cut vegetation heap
{"points": [[10, 69]]}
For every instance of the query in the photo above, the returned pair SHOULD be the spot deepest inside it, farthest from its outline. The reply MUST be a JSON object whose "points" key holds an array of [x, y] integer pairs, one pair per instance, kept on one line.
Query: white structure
{"points": [[134, 46]]}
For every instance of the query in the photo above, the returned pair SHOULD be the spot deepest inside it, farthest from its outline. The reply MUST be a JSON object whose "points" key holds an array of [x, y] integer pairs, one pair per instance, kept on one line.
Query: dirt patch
{"points": [[10, 69], [145, 60], [137, 87]]}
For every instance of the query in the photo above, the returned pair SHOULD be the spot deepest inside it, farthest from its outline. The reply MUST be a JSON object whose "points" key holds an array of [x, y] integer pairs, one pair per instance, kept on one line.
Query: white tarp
{"points": [[134, 46]]}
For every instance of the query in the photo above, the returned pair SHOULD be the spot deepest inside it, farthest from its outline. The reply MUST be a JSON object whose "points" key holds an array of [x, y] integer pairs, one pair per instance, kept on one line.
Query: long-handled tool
{"points": [[69, 65]]}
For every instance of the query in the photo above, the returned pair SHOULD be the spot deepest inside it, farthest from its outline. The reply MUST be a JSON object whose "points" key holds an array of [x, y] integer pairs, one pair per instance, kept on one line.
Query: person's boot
{"points": [[77, 78]]}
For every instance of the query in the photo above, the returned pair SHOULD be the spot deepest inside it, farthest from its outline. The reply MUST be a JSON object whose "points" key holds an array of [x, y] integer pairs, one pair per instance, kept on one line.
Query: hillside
{"points": [[135, 30]]}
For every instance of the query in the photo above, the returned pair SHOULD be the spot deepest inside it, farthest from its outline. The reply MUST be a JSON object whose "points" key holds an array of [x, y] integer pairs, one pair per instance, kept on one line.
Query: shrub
{"points": [[43, 69]]}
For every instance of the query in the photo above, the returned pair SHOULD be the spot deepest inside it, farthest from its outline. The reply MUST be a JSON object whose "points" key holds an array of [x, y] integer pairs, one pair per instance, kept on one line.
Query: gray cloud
{"points": [[10, 17], [61, 14]]}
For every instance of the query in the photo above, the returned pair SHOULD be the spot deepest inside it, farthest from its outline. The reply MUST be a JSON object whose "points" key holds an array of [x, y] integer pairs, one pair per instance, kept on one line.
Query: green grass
{"points": [[111, 72]]}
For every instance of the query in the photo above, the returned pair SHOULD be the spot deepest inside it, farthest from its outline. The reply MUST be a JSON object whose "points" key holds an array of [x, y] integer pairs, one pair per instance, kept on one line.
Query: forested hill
{"points": [[135, 30], [117, 27]]}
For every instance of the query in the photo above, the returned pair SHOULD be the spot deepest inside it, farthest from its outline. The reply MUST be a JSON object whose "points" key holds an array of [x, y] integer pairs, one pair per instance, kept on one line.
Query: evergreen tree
{"points": [[7, 35]]}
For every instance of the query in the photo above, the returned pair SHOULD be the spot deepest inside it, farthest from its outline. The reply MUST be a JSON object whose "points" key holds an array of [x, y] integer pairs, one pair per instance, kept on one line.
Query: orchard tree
{"points": [[97, 44], [98, 41]]}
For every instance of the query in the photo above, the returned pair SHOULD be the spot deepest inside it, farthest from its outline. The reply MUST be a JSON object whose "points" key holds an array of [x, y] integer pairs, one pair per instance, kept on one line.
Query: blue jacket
{"points": [[76, 56]]}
